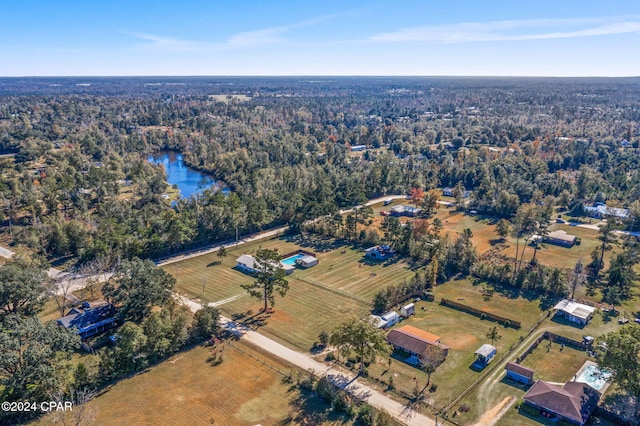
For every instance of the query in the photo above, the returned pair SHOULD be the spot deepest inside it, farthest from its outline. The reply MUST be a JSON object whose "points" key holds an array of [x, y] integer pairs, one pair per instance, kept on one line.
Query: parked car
{"points": [[384, 213]]}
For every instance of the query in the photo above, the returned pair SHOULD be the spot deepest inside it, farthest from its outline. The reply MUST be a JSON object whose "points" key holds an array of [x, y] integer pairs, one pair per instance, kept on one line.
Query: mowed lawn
{"points": [[517, 308], [346, 270], [302, 314], [464, 334], [319, 298], [559, 256], [552, 363], [217, 275], [186, 390]]}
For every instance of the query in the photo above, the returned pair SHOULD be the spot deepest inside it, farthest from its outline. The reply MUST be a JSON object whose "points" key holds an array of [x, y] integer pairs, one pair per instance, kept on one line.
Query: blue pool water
{"points": [[292, 260], [594, 377]]}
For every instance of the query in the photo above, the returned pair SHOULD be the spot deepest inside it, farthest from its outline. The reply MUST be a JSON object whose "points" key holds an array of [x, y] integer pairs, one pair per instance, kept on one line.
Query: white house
{"points": [[600, 210], [574, 311], [248, 264], [307, 261]]}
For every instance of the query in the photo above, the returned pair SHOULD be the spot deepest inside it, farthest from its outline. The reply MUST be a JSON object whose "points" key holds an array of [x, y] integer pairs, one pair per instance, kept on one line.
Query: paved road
{"points": [[304, 361], [258, 236]]}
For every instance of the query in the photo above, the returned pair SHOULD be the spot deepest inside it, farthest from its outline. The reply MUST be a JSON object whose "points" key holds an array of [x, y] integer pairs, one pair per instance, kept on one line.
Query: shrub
{"points": [[325, 389], [342, 401], [367, 415]]}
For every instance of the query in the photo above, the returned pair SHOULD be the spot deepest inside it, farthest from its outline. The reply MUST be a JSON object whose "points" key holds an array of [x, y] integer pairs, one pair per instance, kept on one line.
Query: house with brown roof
{"points": [[519, 373], [418, 343], [574, 402]]}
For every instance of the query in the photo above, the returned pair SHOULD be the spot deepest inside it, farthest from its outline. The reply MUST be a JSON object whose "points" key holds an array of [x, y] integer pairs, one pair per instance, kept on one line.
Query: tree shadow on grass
{"points": [[315, 242], [307, 409]]}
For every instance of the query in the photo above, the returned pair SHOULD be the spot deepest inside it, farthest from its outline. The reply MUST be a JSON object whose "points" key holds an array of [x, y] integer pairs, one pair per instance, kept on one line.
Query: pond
{"points": [[187, 180]]}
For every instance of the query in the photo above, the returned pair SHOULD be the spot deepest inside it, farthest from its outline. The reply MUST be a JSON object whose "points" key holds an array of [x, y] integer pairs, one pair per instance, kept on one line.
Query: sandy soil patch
{"points": [[461, 341], [492, 416]]}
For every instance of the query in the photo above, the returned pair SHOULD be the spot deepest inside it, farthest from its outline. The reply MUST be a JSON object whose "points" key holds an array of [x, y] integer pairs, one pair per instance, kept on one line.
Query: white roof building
{"points": [[574, 311]]}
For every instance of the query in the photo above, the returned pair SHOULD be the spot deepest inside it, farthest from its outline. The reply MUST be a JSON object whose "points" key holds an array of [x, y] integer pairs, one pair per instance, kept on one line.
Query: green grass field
{"points": [[562, 257], [319, 298], [517, 307], [554, 364], [464, 334]]}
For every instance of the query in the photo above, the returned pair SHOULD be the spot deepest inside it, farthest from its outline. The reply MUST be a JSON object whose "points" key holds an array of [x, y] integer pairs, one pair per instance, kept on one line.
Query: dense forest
{"points": [[283, 148], [77, 190]]}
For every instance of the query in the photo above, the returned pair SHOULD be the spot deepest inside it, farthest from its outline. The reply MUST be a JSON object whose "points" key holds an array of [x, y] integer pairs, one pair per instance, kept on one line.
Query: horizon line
{"points": [[318, 75]]}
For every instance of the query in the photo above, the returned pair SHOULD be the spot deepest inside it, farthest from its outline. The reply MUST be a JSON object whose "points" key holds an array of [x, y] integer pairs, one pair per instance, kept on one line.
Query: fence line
{"points": [[255, 357], [494, 365], [507, 322]]}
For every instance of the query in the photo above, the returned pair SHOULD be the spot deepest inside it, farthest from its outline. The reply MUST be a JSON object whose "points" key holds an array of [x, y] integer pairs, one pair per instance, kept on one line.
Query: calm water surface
{"points": [[188, 180]]}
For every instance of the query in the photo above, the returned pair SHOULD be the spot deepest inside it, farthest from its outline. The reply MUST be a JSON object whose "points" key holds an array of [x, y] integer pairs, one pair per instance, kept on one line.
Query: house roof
{"points": [[390, 315], [519, 369], [561, 235], [84, 318], [420, 333], [486, 350], [574, 308], [603, 210], [246, 260], [307, 259], [574, 400], [412, 343]]}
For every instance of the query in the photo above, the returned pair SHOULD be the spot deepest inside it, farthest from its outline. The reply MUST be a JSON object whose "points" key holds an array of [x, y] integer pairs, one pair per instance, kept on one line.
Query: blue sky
{"points": [[271, 37]]}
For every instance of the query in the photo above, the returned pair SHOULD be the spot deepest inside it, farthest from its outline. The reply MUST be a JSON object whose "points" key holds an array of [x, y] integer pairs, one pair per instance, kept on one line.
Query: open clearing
{"points": [[186, 390], [463, 333], [319, 298], [554, 364]]}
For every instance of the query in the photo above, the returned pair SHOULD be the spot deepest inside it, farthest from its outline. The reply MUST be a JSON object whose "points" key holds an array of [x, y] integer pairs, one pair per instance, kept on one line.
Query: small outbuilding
{"points": [[574, 311], [519, 373], [485, 354], [390, 318], [307, 261], [408, 310]]}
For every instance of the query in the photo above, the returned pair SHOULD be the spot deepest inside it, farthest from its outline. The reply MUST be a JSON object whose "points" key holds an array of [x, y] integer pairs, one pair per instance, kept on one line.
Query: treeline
{"points": [[286, 158], [36, 363]]}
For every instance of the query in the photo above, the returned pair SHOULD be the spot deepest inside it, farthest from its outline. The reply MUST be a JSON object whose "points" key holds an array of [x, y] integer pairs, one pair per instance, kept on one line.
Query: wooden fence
{"points": [[552, 337], [507, 322], [308, 253]]}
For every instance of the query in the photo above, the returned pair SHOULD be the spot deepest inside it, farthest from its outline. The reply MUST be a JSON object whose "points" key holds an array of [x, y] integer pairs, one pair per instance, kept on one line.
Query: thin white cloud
{"points": [[509, 30], [161, 43], [258, 37], [243, 39]]}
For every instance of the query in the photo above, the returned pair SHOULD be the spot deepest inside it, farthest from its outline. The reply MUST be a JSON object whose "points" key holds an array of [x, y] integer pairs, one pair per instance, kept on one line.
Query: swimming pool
{"points": [[292, 260], [594, 377]]}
